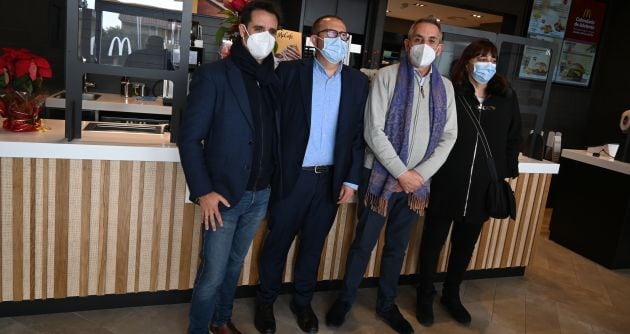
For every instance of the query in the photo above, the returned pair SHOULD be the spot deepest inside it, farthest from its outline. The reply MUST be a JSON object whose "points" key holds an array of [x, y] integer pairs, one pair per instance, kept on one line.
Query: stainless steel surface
{"points": [[124, 127], [84, 96]]}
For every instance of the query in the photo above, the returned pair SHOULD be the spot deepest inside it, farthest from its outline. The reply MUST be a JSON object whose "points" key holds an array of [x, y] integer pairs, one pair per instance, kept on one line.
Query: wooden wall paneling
{"points": [[124, 221], [31, 228], [18, 226], [5, 225], [61, 227], [86, 195], [103, 228], [138, 226], [74, 205]]}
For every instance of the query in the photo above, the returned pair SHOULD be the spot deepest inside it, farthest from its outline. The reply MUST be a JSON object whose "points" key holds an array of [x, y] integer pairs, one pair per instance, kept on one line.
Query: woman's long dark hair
{"points": [[459, 73]]}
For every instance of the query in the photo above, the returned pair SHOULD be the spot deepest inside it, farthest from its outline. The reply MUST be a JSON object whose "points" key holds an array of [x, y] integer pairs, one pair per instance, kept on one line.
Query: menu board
{"points": [[549, 18], [578, 24], [535, 63], [576, 63]]}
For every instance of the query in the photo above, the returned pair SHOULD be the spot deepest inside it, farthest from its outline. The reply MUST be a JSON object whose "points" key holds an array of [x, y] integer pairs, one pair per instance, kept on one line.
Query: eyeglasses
{"points": [[330, 33]]}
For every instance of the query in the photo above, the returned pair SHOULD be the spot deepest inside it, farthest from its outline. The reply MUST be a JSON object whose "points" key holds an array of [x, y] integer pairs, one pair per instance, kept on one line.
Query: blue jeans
{"points": [[222, 254]]}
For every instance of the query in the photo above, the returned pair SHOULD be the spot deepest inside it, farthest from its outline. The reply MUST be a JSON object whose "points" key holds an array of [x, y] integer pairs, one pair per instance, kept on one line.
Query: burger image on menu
{"points": [[538, 68], [572, 72]]}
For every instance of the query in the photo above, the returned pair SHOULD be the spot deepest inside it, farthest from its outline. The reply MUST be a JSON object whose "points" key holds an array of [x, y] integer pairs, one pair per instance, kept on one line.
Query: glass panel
{"points": [[123, 33], [454, 44], [526, 68]]}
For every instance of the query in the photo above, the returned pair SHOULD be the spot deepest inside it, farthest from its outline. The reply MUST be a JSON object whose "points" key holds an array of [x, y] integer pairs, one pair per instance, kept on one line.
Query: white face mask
{"points": [[421, 55], [260, 44]]}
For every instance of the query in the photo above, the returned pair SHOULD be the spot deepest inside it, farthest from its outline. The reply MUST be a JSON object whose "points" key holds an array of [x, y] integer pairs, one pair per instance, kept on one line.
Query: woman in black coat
{"points": [[458, 189]]}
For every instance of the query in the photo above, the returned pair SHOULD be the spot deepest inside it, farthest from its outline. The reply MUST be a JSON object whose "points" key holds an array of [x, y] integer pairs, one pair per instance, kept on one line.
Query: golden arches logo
{"points": [[588, 13]]}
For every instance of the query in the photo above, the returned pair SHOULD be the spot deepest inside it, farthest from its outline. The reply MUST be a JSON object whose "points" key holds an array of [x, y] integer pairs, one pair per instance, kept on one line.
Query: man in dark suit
{"points": [[321, 146], [228, 149]]}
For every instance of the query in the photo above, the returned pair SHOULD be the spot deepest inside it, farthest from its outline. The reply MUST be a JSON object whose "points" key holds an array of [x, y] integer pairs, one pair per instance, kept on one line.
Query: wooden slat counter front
{"points": [[106, 214]]}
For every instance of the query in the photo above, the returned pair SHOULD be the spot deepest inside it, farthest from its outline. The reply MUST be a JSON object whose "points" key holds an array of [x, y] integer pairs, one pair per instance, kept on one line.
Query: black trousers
{"points": [[463, 239], [307, 212]]}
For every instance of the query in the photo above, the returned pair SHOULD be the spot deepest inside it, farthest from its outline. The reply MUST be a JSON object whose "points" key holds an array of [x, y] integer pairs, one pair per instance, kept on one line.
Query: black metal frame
{"points": [[75, 68]]}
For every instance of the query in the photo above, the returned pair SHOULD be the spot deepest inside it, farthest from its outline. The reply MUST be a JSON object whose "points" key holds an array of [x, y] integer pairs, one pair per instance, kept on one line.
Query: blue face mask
{"points": [[334, 50], [483, 71]]}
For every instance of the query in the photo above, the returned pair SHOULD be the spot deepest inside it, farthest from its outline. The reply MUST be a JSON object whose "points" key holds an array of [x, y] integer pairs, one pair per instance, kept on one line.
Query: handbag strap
{"points": [[484, 140]]}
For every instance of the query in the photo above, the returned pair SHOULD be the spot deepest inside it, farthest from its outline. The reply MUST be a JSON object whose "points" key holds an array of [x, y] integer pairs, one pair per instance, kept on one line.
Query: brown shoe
{"points": [[228, 328]]}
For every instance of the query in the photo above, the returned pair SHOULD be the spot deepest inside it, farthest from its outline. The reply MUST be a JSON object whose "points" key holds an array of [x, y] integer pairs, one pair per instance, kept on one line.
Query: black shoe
{"points": [[424, 307], [264, 320], [452, 303], [337, 313], [306, 318], [395, 320]]}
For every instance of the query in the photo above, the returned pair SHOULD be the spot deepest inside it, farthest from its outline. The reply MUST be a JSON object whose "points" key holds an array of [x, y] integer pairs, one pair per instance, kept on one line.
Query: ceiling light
{"points": [[419, 5], [388, 11], [437, 19], [476, 16]]}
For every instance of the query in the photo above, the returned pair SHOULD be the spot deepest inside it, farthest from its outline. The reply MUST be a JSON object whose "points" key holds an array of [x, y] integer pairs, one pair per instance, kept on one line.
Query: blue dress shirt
{"points": [[325, 100]]}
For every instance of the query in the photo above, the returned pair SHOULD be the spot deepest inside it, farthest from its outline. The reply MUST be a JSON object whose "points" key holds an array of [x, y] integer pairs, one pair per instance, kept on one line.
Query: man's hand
{"points": [[292, 53], [410, 181], [346, 194], [210, 209]]}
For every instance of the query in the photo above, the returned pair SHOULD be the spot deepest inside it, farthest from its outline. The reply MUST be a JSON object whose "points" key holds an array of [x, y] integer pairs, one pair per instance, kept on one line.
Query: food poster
{"points": [[576, 63], [549, 18], [535, 63], [288, 42]]}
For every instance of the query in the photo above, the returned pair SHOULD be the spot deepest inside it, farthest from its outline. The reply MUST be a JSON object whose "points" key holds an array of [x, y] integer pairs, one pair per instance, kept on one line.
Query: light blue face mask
{"points": [[334, 50], [483, 71]]}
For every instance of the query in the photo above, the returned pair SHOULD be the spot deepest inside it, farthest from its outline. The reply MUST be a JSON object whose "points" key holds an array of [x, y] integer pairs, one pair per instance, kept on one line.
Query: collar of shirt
{"points": [[421, 79], [319, 68]]}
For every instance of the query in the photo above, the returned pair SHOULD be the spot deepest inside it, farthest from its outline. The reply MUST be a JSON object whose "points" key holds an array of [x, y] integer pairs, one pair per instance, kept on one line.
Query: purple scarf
{"points": [[382, 185]]}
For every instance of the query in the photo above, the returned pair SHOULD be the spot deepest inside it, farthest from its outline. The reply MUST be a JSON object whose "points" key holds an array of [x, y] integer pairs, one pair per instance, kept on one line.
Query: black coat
{"points": [[501, 122], [295, 123], [216, 141]]}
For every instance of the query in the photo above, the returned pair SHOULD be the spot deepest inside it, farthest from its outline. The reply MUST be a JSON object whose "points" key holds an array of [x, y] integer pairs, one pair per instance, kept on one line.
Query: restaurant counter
{"points": [[106, 215]]}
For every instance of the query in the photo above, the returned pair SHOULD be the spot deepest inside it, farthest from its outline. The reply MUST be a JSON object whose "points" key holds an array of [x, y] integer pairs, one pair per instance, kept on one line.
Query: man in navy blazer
{"points": [[228, 149], [321, 127]]}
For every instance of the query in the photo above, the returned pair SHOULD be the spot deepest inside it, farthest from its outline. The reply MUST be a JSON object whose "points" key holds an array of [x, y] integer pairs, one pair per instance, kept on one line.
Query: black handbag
{"points": [[500, 200]]}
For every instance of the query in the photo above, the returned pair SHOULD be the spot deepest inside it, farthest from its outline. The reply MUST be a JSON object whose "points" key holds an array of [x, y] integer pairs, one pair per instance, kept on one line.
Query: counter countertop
{"points": [[94, 145], [97, 145], [114, 102], [602, 161]]}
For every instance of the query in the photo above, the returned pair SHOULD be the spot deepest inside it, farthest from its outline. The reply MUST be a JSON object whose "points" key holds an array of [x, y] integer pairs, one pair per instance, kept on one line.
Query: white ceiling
{"points": [[407, 10]]}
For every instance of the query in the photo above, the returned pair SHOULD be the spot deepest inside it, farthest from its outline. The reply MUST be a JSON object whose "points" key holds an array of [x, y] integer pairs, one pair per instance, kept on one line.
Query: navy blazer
{"points": [[296, 90], [216, 137]]}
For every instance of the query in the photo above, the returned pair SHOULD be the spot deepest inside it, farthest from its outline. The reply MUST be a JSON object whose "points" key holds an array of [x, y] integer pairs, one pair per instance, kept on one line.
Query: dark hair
{"points": [[459, 73], [315, 28], [429, 19], [246, 15]]}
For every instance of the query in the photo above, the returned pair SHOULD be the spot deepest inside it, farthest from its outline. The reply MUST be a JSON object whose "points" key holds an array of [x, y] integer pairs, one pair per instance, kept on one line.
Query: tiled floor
{"points": [[561, 292]]}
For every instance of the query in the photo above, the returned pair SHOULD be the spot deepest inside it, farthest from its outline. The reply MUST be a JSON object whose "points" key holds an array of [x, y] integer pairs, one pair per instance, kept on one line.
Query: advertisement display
{"points": [[578, 24], [576, 63], [585, 21], [535, 63], [549, 18]]}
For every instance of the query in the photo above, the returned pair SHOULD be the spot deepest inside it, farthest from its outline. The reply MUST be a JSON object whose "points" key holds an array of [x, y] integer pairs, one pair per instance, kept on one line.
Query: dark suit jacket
{"points": [[217, 132], [296, 79]]}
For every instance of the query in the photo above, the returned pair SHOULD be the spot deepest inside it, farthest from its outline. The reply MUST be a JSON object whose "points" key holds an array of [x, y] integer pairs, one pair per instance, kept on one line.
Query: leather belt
{"points": [[318, 169]]}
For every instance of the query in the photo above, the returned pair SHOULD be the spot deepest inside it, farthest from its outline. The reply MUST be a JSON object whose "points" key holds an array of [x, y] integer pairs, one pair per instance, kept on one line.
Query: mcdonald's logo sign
{"points": [[121, 46], [588, 13]]}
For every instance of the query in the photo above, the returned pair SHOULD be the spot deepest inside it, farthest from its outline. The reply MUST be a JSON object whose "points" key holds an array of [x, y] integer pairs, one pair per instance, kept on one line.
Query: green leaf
{"points": [[220, 33], [228, 12]]}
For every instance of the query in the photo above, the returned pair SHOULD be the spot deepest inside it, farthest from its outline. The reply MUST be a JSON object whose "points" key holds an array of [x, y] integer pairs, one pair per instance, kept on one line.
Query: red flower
{"points": [[23, 70], [236, 5]]}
